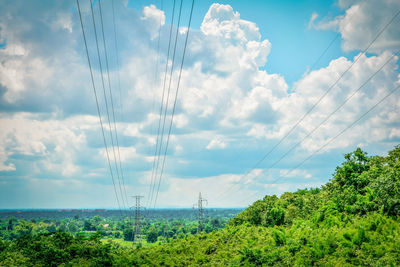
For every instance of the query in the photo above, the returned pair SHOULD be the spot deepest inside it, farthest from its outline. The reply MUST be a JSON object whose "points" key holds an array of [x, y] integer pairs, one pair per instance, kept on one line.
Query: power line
{"points": [[97, 105], [314, 64], [156, 156], [334, 138], [112, 102], [331, 114], [176, 96], [157, 62], [316, 103], [119, 82], [169, 86], [117, 59], [116, 56], [326, 50], [106, 102], [154, 91]]}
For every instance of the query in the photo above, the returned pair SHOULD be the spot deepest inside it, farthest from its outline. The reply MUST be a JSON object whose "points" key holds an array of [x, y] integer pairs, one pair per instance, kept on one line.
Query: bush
{"points": [[275, 216], [129, 234]]}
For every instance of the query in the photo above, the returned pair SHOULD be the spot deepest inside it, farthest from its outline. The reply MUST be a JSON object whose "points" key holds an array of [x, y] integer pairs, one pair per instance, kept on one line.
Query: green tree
{"points": [[274, 216], [129, 234], [88, 226], [386, 187], [216, 223], [11, 222], [151, 236]]}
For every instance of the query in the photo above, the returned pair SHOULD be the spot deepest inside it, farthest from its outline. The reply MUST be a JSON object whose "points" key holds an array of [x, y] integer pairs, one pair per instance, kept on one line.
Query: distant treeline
{"points": [[175, 214], [162, 223]]}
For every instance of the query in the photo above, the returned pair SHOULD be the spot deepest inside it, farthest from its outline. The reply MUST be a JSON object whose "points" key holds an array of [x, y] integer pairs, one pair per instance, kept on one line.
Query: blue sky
{"points": [[247, 79]]}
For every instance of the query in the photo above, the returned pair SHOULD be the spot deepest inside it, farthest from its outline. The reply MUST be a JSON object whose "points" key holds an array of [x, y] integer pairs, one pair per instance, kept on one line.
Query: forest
{"points": [[118, 225], [351, 220]]}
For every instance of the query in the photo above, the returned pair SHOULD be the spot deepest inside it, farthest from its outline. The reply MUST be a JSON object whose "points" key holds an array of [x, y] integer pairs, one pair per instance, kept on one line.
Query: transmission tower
{"points": [[138, 217], [200, 213]]}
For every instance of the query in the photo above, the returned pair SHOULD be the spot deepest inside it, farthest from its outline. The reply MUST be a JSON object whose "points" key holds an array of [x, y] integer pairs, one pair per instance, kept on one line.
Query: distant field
{"points": [[119, 241]]}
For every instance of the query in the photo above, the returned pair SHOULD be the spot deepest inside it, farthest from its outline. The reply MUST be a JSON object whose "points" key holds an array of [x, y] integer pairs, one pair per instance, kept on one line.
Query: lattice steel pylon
{"points": [[200, 212], [138, 217]]}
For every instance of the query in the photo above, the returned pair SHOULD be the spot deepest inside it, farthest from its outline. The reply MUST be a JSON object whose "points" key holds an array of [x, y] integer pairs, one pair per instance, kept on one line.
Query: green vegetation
{"points": [[153, 228], [352, 220]]}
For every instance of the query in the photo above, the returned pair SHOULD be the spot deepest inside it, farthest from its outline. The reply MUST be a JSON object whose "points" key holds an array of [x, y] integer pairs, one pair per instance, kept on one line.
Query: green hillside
{"points": [[352, 220]]}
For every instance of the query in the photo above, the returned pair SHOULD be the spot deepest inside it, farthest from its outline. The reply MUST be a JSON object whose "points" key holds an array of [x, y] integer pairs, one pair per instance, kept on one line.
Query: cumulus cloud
{"points": [[154, 18], [224, 84], [222, 21], [52, 144], [216, 143], [377, 128], [361, 23], [309, 89]]}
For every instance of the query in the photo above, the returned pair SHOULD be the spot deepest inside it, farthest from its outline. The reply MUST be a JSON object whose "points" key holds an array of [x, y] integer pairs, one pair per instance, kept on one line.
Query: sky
{"points": [[272, 95]]}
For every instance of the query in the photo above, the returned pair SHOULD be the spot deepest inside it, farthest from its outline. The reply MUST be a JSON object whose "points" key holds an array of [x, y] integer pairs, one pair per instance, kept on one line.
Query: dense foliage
{"points": [[352, 220], [174, 224]]}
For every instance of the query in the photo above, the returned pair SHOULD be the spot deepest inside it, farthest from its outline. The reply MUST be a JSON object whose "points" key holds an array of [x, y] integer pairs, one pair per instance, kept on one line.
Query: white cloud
{"points": [[216, 143], [294, 173], [308, 90], [176, 189], [314, 16], [361, 23], [154, 18], [222, 21], [54, 142], [180, 120], [3, 158], [63, 21]]}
